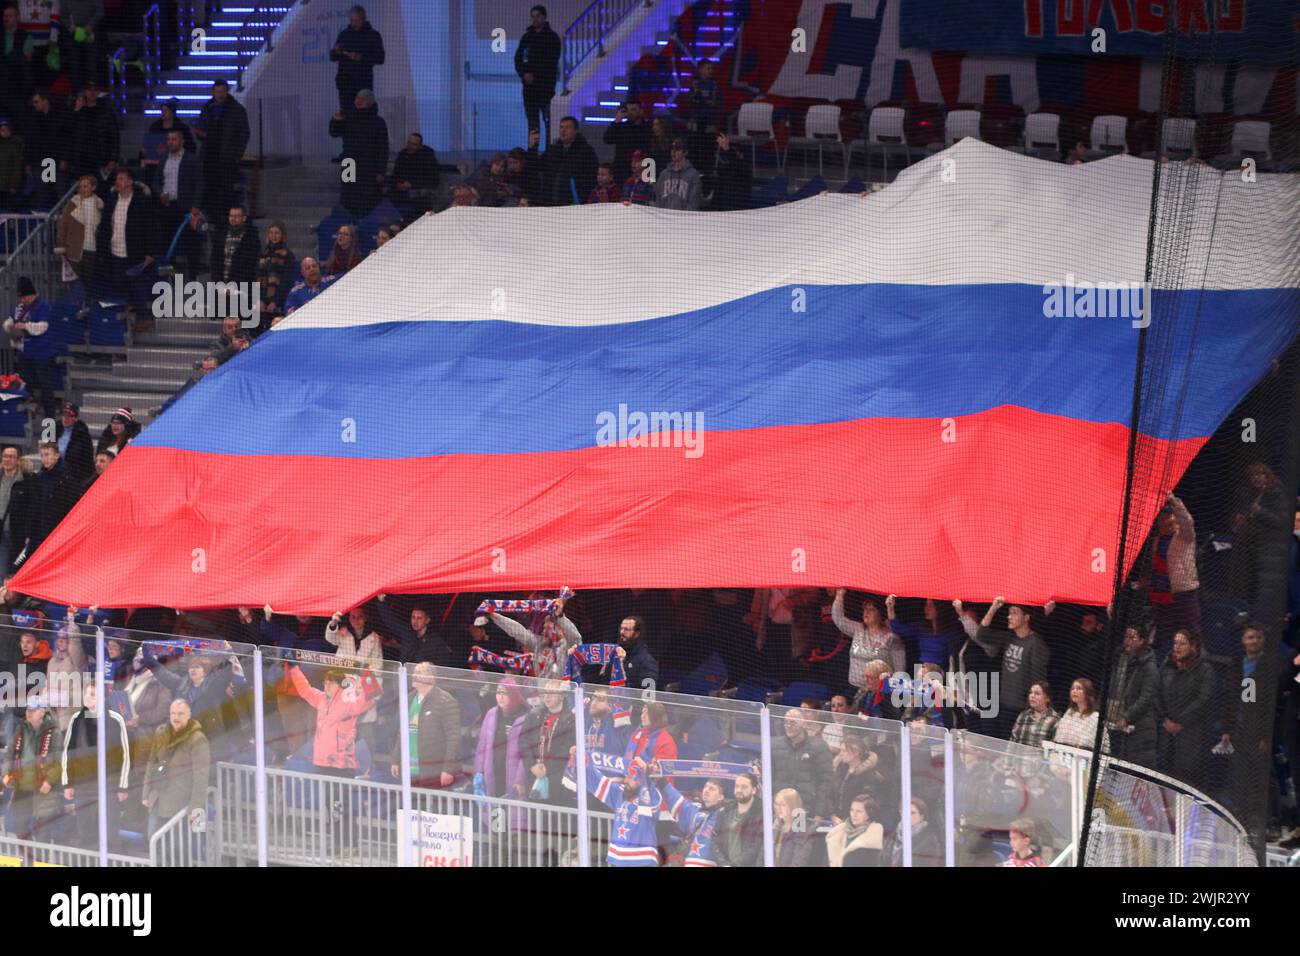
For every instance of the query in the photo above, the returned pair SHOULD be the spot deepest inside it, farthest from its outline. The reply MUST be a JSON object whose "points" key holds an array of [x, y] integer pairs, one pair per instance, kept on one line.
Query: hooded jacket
{"points": [[679, 188], [81, 751], [30, 757]]}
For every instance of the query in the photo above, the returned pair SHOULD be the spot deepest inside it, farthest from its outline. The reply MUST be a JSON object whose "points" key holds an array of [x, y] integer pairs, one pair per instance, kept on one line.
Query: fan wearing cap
{"points": [[28, 329], [76, 447], [680, 185], [11, 165], [31, 767], [119, 431]]}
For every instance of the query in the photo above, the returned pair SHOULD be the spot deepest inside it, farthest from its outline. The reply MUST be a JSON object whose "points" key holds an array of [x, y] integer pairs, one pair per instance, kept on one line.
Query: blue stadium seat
{"points": [[772, 193], [382, 215], [813, 187], [708, 677], [854, 185], [752, 690], [704, 736], [106, 328], [803, 690]]}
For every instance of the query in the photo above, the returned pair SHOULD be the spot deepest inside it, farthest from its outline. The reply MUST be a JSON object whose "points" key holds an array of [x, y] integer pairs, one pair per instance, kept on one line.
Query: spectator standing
{"points": [[95, 145], [568, 168], [128, 242], [223, 130], [537, 61], [365, 142], [74, 442], [37, 505], [31, 768], [207, 686], [547, 737], [1078, 726], [1038, 721], [1173, 589], [550, 648], [16, 50], [277, 269], [661, 143], [802, 762], [46, 135], [352, 641], [11, 473], [168, 120], [934, 640], [698, 822], [705, 101], [732, 177], [679, 186], [792, 841], [358, 50], [29, 332], [235, 248], [432, 732], [870, 640], [81, 45], [639, 665], [415, 178], [346, 252], [176, 778], [42, 20], [498, 756], [636, 189], [334, 745], [629, 132], [66, 665], [176, 181], [12, 172], [1262, 513], [1184, 702], [854, 771], [1024, 658], [739, 837], [417, 638], [78, 230], [651, 741], [605, 730], [1132, 704], [80, 770], [859, 840]]}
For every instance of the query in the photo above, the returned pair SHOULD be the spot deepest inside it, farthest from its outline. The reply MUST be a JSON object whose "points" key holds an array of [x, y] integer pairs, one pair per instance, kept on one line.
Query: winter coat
{"points": [[335, 742], [437, 736], [738, 840], [538, 53], [30, 757], [80, 458], [805, 767], [1186, 697], [141, 230], [72, 233], [485, 763], [151, 706], [562, 165], [354, 75], [862, 850], [227, 133], [243, 264], [95, 137], [1133, 689], [176, 777], [61, 682], [210, 702]]}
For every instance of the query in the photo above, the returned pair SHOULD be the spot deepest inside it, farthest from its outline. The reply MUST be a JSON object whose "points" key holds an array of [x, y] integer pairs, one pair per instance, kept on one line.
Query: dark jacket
{"points": [[354, 75], [94, 137], [226, 133], [365, 140], [1133, 696], [46, 135], [412, 648], [562, 166], [176, 777], [626, 137], [419, 168], [794, 848], [142, 238], [81, 450], [189, 183], [438, 738], [210, 702], [81, 751], [640, 666], [806, 767], [552, 750], [1186, 697], [733, 181], [277, 270], [538, 53], [38, 503], [739, 839], [243, 265], [31, 755], [187, 134], [15, 72]]}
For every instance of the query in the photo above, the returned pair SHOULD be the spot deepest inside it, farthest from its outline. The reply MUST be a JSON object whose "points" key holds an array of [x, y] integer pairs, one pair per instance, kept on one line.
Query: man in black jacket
{"points": [[801, 761], [235, 248], [15, 63], [568, 166], [95, 146], [128, 241], [46, 136], [639, 664], [545, 739], [358, 50], [365, 142], [415, 177], [435, 737], [629, 132], [418, 641], [74, 442], [177, 183], [738, 839], [80, 770], [37, 505], [537, 61], [223, 129]]}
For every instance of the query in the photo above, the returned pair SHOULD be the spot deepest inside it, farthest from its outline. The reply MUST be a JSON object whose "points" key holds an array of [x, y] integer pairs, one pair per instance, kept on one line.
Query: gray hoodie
{"points": [[679, 188]]}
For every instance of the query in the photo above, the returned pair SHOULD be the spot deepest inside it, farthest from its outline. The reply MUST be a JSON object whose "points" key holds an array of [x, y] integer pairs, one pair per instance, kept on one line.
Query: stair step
{"points": [[180, 339]]}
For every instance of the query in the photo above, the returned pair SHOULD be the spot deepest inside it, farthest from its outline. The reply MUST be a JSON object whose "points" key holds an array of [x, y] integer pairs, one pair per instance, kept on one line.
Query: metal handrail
{"points": [[589, 29], [117, 78]]}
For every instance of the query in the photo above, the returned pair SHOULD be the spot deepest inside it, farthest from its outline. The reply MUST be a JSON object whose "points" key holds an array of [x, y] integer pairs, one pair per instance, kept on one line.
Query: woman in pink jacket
{"points": [[334, 748]]}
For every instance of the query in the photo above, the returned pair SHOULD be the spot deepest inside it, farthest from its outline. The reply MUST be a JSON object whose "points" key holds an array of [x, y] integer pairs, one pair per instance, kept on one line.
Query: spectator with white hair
{"points": [[177, 775]]}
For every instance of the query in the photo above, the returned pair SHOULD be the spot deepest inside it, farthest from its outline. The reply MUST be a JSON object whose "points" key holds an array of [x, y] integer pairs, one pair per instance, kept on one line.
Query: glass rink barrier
{"points": [[220, 753]]}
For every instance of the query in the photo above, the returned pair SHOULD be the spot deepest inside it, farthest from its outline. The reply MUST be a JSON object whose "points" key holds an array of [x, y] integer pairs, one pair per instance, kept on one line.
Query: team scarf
{"points": [[543, 611], [614, 765], [514, 663], [606, 655]]}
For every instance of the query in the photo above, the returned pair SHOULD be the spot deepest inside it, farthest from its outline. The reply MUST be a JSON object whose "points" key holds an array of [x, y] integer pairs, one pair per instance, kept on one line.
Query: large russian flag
{"points": [[882, 400]]}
